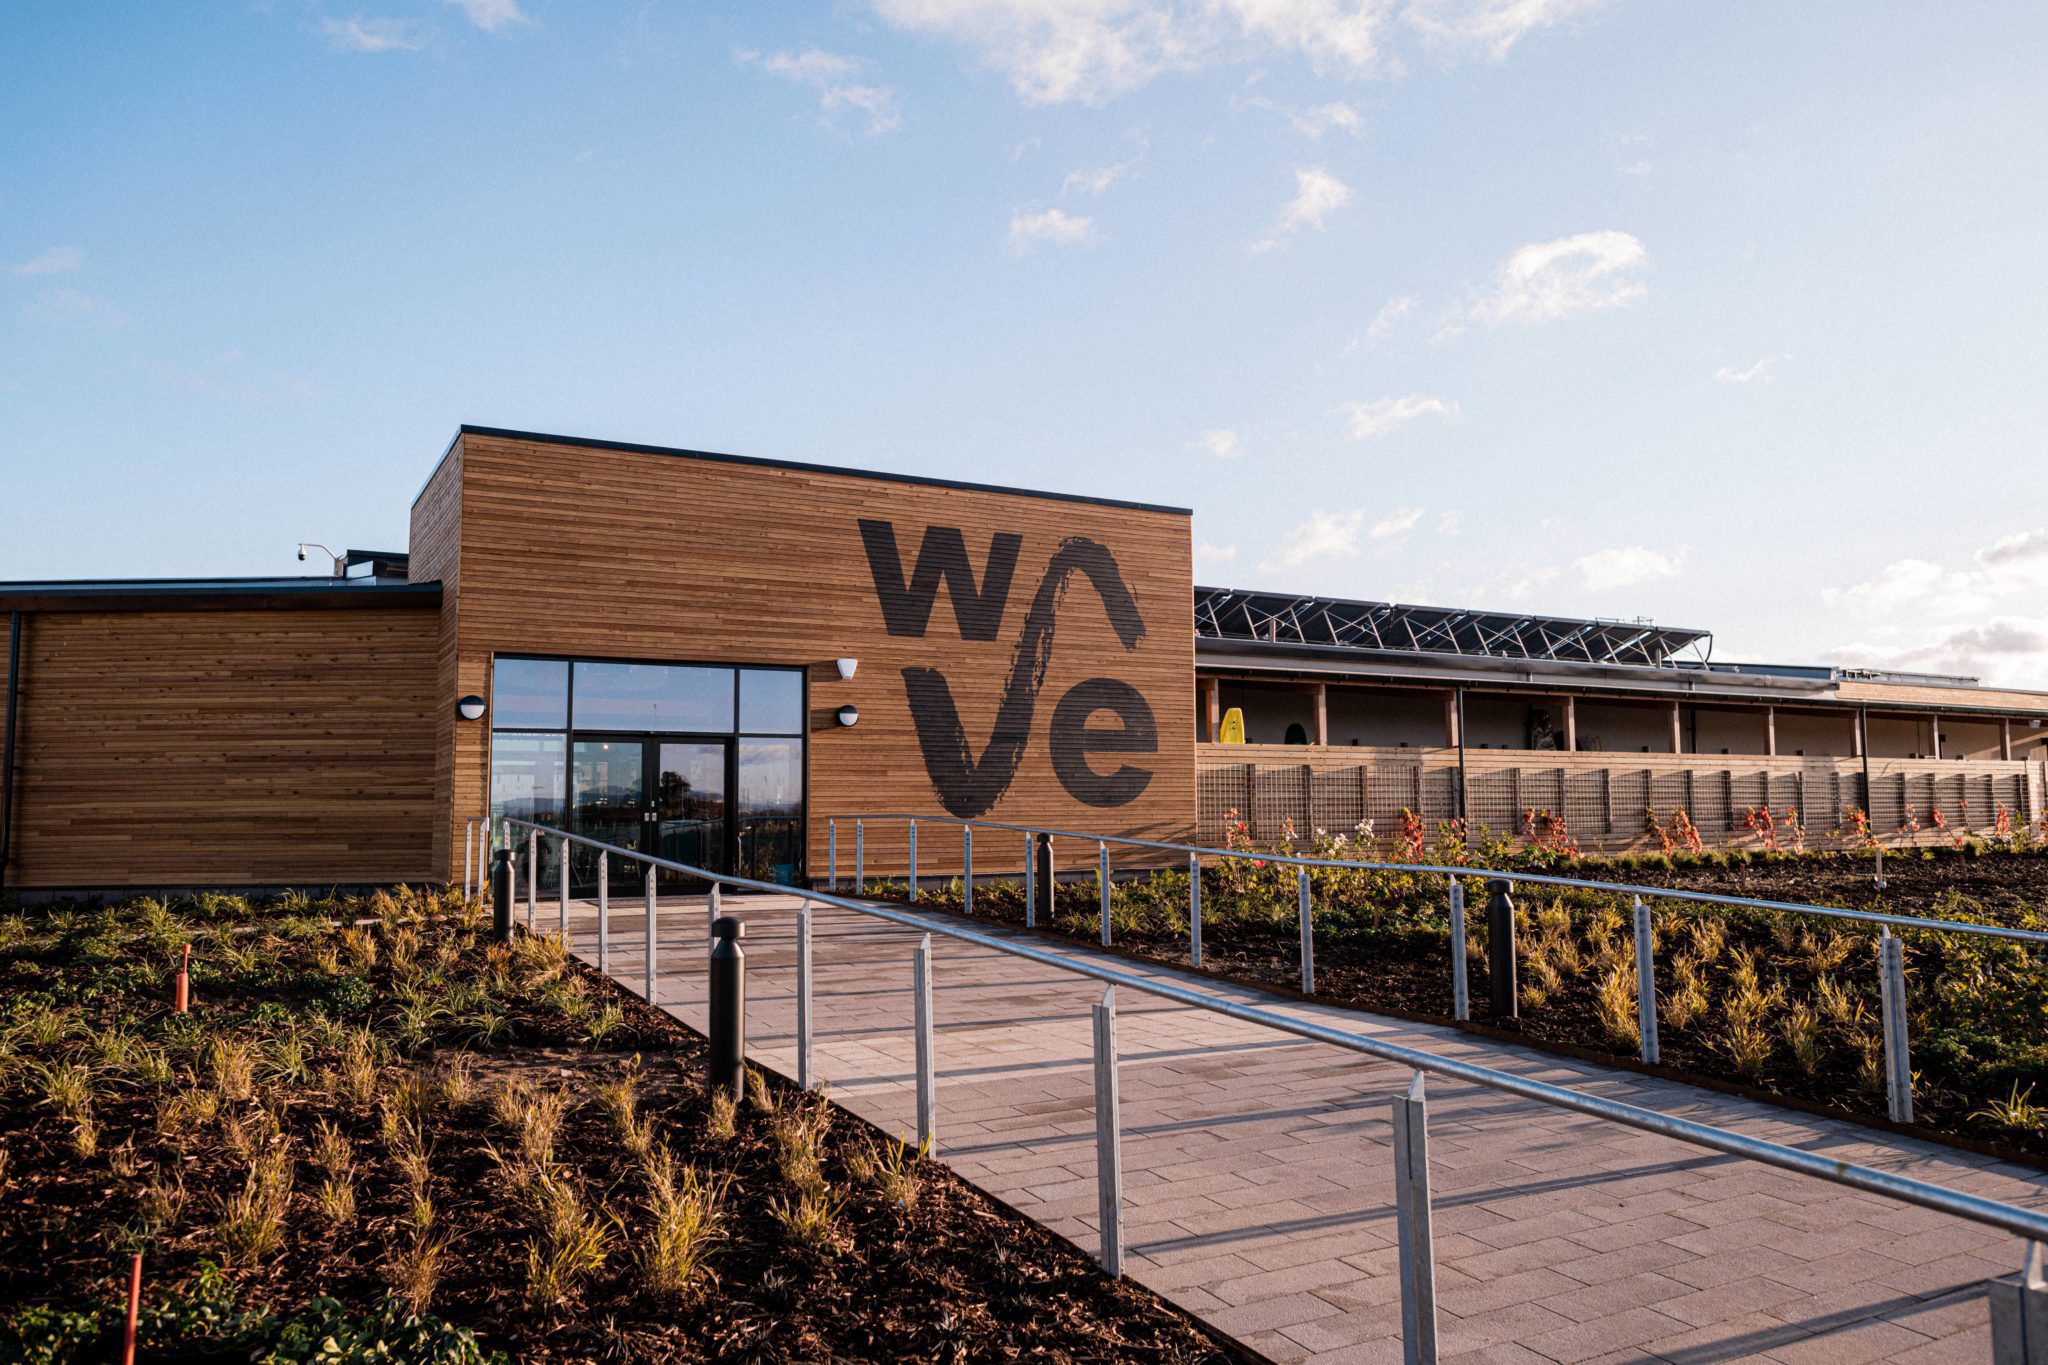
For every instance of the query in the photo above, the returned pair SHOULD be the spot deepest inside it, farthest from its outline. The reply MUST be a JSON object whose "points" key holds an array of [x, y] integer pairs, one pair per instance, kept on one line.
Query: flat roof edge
{"points": [[214, 594], [762, 462]]}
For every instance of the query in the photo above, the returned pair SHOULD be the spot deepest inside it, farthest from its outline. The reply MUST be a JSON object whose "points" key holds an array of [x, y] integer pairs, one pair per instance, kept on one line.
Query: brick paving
{"points": [[1258, 1174]]}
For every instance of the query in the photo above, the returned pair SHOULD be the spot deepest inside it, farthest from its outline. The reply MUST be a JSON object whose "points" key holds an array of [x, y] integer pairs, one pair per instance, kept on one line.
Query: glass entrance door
{"points": [[607, 802], [692, 817]]}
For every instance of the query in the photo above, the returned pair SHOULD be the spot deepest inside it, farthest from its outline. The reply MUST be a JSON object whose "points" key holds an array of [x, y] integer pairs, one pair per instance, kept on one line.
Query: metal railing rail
{"points": [[1473, 870], [2010, 1218]]}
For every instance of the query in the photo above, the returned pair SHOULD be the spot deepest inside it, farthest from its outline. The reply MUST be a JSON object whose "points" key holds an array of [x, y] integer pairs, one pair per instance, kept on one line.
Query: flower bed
{"points": [[383, 1136]]}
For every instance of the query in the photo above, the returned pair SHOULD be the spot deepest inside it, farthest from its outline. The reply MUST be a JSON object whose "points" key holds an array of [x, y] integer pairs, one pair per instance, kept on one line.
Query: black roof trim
{"points": [[678, 452], [215, 594]]}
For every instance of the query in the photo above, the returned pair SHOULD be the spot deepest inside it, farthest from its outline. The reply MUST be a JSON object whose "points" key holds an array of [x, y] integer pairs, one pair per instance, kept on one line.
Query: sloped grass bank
{"points": [[398, 1136]]}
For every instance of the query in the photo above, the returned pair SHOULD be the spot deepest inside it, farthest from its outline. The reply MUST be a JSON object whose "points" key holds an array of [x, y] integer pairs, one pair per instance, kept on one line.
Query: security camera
{"points": [[302, 554]]}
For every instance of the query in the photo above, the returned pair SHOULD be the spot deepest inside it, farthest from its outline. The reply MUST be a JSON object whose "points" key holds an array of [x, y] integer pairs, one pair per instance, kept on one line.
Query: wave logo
{"points": [[968, 786]]}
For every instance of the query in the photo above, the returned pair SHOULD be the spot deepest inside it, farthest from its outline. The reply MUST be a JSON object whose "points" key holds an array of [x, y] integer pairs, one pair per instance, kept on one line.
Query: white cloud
{"points": [[1094, 183], [1218, 442], [55, 261], [833, 77], [492, 15], [374, 35], [1323, 117], [67, 305], [2014, 564], [1337, 535], [1450, 522], [2006, 651], [1055, 226], [1626, 566], [1387, 414], [1956, 611], [1489, 27], [1395, 523], [1391, 312], [1571, 275], [1206, 553], [1728, 374], [1318, 194]]}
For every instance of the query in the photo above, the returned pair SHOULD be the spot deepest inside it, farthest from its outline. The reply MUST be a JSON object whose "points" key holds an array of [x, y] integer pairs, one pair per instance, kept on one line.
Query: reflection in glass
{"points": [[607, 798], [771, 701], [530, 694], [658, 697], [770, 808], [528, 782], [689, 799]]}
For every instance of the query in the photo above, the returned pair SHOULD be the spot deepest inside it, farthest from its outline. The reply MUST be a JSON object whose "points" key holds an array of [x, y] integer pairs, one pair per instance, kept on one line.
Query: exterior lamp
{"points": [[846, 668], [470, 707], [848, 714]]}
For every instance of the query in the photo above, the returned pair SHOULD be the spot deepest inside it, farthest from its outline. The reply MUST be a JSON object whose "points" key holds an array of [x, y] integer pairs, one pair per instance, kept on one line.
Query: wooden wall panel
{"points": [[219, 748], [582, 550], [435, 550]]}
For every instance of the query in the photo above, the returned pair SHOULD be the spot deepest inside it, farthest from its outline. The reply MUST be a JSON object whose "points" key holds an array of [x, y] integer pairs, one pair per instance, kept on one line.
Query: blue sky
{"points": [[1734, 315]]}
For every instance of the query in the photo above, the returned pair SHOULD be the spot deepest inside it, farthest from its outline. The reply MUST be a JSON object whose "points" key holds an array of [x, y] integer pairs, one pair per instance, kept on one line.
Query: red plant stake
{"points": [[134, 1307], [185, 981]]}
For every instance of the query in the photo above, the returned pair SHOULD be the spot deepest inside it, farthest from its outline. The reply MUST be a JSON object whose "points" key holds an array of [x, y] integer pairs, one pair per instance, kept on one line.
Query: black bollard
{"points": [[1502, 997], [501, 896], [1043, 844], [728, 1006]]}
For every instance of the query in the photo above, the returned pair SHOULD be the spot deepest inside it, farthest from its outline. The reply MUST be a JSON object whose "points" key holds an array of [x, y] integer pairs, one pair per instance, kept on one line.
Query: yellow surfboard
{"points": [[1233, 727]]}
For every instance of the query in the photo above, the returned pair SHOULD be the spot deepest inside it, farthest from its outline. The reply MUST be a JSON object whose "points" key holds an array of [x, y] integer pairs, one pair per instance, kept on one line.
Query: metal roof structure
{"points": [[1283, 619]]}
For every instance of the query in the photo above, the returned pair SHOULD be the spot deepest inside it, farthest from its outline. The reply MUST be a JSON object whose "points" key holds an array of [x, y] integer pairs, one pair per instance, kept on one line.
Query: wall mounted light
{"points": [[846, 668], [848, 714], [470, 707]]}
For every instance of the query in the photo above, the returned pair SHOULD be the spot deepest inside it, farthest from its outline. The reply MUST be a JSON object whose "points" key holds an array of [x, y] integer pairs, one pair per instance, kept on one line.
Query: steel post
{"points": [[1411, 1209], [727, 1008], [1646, 983], [967, 868], [803, 996], [1308, 935], [860, 853], [921, 1009], [1048, 883], [1898, 1052], [1030, 881], [532, 877], [832, 855], [604, 918], [1461, 987], [565, 892], [648, 994], [713, 903], [1109, 1155], [1194, 909], [1502, 997], [913, 862], [501, 897], [468, 856], [1102, 888], [2019, 1312]]}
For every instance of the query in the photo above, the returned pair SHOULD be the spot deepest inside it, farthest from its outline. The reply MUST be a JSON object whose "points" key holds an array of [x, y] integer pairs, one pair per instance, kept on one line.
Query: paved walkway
{"points": [[1258, 1174]]}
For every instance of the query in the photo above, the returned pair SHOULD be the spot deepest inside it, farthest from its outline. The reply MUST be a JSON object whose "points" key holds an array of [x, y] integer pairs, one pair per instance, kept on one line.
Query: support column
{"points": [[2005, 740], [1934, 729], [1452, 739], [1323, 715], [1677, 734], [1571, 725], [1771, 731], [1857, 741], [1213, 692]]}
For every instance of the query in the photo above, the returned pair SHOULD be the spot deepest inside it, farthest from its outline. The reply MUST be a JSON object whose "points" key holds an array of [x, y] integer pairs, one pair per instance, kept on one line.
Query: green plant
{"points": [[250, 1221], [619, 1095], [1684, 1005], [1615, 1005], [684, 1219], [1748, 1046], [533, 1117], [2017, 1112], [570, 1245], [811, 1219], [1802, 1034], [721, 1122]]}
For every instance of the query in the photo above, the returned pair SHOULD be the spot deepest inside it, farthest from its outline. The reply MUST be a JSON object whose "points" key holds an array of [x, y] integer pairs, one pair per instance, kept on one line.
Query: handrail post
{"points": [[803, 996], [1308, 936], [921, 1010], [1412, 1217], [860, 874], [913, 862], [1102, 887], [648, 994], [604, 919], [967, 868], [1109, 1157], [468, 856], [1898, 1054], [565, 890], [711, 912], [2019, 1311], [1646, 983], [532, 877], [1030, 880], [1194, 909], [1461, 986], [832, 854]]}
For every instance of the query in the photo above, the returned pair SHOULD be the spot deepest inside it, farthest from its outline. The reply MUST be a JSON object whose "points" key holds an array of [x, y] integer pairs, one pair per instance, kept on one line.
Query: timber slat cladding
{"points": [[218, 748], [587, 551], [435, 551]]}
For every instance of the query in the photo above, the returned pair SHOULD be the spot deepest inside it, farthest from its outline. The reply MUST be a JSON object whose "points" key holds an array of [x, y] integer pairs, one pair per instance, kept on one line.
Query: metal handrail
{"points": [[2011, 1218], [1541, 878]]}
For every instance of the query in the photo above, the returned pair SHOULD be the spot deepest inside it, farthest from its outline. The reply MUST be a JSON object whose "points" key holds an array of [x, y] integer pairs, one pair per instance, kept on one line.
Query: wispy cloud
{"points": [[1218, 442], [2010, 651], [1339, 535], [1489, 27], [1627, 566], [1317, 195], [1313, 121], [1206, 553], [55, 261], [1054, 227], [72, 307], [834, 77], [1728, 374], [492, 16], [1391, 312], [374, 35], [1570, 275], [1384, 415], [2013, 565]]}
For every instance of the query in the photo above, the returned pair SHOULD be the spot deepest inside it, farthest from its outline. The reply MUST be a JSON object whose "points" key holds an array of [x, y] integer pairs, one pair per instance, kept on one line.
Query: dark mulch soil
{"points": [[956, 1276]]}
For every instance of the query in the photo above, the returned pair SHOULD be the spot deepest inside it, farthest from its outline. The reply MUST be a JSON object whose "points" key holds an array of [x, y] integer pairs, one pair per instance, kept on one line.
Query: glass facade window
{"points": [[654, 698], [530, 694], [770, 808], [771, 701]]}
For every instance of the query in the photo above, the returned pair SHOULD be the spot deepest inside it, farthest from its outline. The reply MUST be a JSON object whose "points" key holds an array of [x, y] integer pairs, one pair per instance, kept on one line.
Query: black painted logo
{"points": [[968, 786]]}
